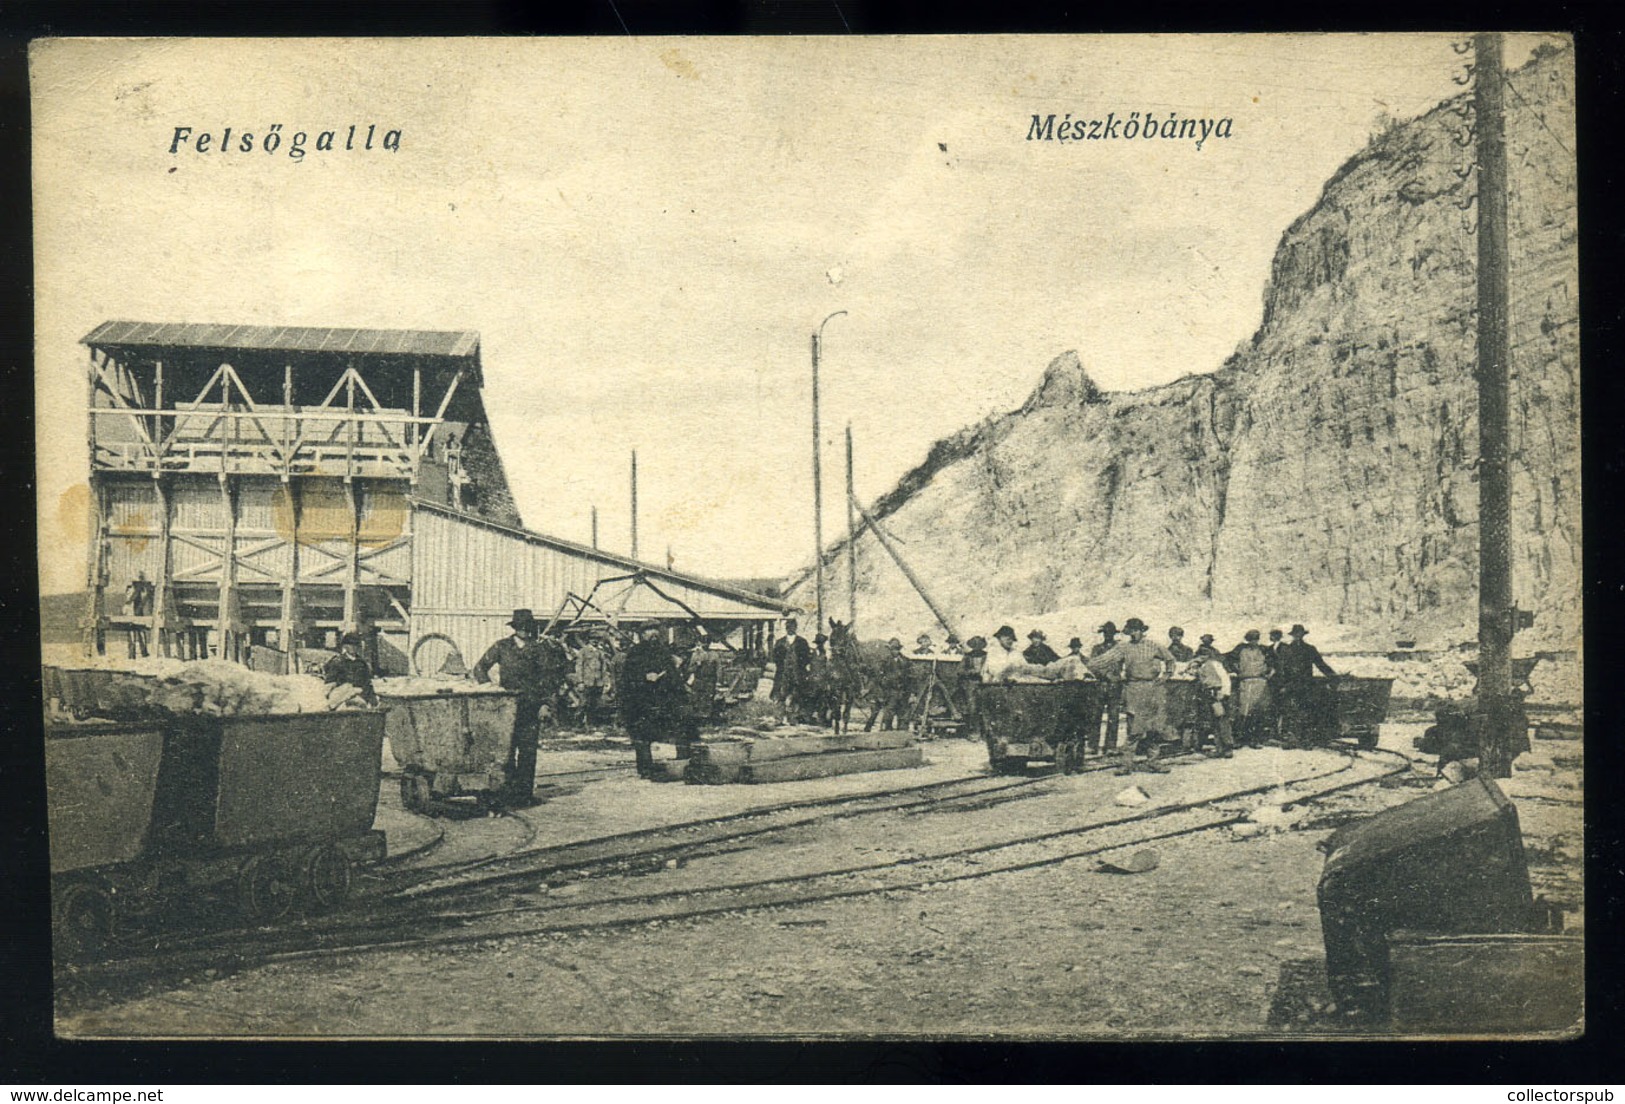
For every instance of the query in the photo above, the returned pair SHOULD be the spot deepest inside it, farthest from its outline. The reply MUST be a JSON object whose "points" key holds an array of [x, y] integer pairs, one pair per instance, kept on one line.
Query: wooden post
{"points": [[851, 538], [160, 596], [417, 412], [224, 627], [897, 558], [634, 504], [290, 581], [818, 497], [1495, 605], [158, 419], [352, 620], [595, 527], [290, 423], [349, 406]]}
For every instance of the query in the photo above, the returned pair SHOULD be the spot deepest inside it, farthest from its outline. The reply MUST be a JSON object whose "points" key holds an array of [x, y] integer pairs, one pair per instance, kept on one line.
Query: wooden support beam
{"points": [[353, 567], [897, 558], [225, 625], [287, 626], [162, 588]]}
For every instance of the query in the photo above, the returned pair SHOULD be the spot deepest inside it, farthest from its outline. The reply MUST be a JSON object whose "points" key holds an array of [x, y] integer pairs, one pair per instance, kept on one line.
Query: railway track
{"points": [[400, 921]]}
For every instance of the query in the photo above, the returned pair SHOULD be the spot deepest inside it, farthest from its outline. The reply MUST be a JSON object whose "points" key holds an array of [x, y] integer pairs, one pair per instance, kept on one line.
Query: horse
{"points": [[855, 668]]}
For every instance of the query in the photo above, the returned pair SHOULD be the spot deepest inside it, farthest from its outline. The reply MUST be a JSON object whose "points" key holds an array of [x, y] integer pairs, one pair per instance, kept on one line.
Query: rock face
{"points": [[1325, 472]]}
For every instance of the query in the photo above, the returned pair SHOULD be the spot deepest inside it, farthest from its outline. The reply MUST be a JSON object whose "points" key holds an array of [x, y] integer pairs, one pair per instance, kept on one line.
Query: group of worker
{"points": [[1252, 694], [663, 691]]}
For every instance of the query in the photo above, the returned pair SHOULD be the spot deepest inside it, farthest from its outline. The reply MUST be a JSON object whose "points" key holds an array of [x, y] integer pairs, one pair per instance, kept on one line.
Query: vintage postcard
{"points": [[932, 537]]}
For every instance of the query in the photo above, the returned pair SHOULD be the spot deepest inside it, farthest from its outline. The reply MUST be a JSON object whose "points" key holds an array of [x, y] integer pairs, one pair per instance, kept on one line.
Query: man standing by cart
{"points": [[1295, 666], [1112, 704], [653, 698], [524, 669], [1143, 665]]}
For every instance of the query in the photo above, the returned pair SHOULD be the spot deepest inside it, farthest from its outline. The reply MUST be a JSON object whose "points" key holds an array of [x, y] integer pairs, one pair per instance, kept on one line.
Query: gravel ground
{"points": [[1222, 939]]}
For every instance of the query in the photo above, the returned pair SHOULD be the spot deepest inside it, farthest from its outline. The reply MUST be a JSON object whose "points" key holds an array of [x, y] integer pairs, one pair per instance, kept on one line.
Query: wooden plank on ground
{"points": [[668, 770], [783, 747], [798, 767]]}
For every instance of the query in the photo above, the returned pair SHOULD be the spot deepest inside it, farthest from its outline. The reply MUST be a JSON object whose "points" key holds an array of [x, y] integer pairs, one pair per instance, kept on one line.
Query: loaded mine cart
{"points": [[269, 810], [1348, 708], [1023, 721], [452, 745]]}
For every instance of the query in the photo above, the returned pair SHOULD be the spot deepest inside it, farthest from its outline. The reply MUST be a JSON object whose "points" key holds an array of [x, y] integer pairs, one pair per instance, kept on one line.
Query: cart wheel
{"points": [[265, 888], [86, 920], [326, 880]]}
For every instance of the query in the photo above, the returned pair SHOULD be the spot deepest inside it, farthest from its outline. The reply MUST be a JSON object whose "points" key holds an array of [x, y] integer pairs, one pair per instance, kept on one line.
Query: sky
{"points": [[646, 232]]}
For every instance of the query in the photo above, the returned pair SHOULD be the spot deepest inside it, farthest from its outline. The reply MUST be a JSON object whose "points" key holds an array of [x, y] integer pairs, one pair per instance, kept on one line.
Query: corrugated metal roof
{"points": [[302, 339], [723, 590]]}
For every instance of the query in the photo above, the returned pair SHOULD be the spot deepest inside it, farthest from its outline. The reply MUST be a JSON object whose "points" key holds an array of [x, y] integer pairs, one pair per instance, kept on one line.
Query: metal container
{"points": [[1452, 861], [450, 733], [297, 776], [1049, 720], [100, 780], [101, 692]]}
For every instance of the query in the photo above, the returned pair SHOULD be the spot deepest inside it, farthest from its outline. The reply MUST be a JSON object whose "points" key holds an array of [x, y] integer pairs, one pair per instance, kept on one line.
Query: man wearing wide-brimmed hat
{"points": [[527, 670], [1142, 664], [1002, 658], [1295, 664], [348, 675]]}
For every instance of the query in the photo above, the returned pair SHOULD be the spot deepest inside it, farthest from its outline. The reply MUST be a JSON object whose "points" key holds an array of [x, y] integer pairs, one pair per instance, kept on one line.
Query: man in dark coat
{"points": [[792, 656], [652, 696], [1295, 664], [526, 669], [700, 672], [1177, 647], [892, 689], [1038, 652], [349, 669]]}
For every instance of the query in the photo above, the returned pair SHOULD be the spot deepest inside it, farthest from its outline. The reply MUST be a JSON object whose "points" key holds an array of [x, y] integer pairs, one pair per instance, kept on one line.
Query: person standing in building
{"points": [[348, 676], [1252, 664], [1038, 651], [1143, 664], [522, 670], [1177, 647], [138, 605], [1295, 664], [1112, 701]]}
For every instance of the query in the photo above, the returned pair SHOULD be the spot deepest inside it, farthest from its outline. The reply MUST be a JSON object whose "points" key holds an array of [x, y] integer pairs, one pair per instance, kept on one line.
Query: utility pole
{"points": [[1498, 708], [634, 504], [818, 477], [595, 527], [851, 538]]}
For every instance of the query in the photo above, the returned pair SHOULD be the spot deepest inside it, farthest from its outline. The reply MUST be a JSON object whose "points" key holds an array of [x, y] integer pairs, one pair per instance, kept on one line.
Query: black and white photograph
{"points": [[936, 537]]}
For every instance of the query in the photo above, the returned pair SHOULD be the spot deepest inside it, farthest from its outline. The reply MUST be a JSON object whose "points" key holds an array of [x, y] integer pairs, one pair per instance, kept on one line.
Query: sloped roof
{"points": [[302, 339], [712, 586]]}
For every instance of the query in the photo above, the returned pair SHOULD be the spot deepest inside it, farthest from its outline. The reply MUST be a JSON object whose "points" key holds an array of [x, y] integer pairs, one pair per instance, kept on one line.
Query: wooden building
{"points": [[256, 490]]}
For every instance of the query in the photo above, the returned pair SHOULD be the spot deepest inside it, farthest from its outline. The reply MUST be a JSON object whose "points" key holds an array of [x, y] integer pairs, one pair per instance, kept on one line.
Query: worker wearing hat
{"points": [[922, 645], [1142, 665], [1177, 647], [1003, 662], [525, 669], [1295, 664], [1205, 648], [1111, 703], [952, 646], [1039, 652], [892, 700], [1252, 664], [348, 676]]}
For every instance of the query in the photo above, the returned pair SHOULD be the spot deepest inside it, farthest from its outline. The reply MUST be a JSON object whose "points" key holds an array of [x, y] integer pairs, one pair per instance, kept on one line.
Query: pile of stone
{"points": [[153, 690]]}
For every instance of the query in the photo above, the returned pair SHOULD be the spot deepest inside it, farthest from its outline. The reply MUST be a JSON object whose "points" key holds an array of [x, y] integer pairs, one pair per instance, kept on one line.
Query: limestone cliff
{"points": [[1325, 471]]}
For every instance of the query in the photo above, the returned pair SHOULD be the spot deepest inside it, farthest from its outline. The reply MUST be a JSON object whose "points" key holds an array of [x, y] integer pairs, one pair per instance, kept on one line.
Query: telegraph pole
{"points": [[634, 504], [851, 538], [595, 527], [1498, 707], [818, 478]]}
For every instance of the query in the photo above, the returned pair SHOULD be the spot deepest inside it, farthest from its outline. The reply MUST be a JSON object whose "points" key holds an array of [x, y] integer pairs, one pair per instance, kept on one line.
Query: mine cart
{"points": [[1347, 708], [275, 808], [449, 744], [1037, 720]]}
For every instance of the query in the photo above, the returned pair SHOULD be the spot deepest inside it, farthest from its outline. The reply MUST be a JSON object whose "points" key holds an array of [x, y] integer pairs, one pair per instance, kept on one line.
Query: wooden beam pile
{"points": [[744, 756]]}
